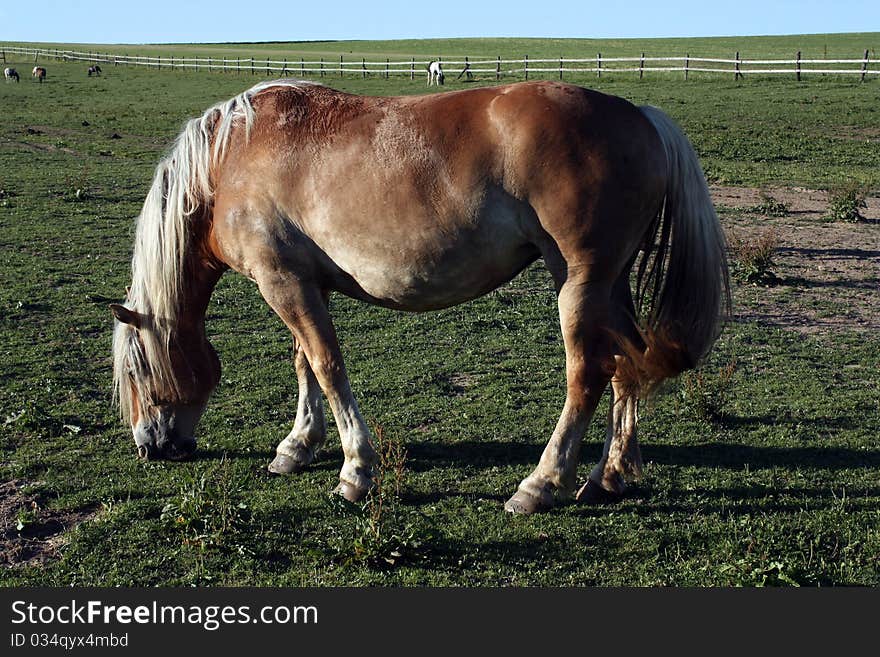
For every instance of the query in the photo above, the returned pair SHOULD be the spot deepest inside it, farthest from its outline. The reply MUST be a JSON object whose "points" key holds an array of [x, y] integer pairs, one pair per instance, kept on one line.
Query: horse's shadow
{"points": [[475, 455], [726, 456], [422, 456]]}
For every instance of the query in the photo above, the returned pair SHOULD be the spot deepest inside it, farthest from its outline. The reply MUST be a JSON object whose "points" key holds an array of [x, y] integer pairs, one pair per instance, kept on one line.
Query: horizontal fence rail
{"points": [[498, 67]]}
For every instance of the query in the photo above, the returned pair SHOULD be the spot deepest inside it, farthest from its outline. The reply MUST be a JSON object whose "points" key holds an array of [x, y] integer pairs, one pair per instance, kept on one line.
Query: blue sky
{"points": [[163, 21]]}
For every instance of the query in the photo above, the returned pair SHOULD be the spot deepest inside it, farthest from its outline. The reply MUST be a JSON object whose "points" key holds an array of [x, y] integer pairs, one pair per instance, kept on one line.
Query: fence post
{"points": [[526, 63], [560, 68], [498, 69], [322, 67], [598, 65], [687, 60], [798, 66], [302, 67], [364, 67], [865, 65], [340, 66], [284, 70], [386, 68], [412, 68], [252, 65], [736, 74], [642, 66]]}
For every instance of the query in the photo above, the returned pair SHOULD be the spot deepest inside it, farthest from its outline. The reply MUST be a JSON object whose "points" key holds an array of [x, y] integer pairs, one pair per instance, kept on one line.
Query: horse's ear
{"points": [[126, 316]]}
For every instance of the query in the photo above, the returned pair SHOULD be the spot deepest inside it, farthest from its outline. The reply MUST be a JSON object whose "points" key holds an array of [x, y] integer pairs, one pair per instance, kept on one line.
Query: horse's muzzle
{"points": [[172, 448]]}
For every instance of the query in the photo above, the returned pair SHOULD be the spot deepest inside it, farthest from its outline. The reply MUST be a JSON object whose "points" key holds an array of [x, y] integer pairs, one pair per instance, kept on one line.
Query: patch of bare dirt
{"points": [[828, 273], [30, 532]]}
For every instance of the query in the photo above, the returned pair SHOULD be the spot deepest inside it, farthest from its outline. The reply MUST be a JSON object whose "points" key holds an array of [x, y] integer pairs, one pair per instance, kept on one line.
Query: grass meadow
{"points": [[762, 470]]}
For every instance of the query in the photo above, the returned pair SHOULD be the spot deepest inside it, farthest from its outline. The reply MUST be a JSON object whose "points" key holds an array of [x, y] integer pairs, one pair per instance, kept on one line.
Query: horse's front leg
{"points": [[301, 445], [302, 307], [583, 309]]}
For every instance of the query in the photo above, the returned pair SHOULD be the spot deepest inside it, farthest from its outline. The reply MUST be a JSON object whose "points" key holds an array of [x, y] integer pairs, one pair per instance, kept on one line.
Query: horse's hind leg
{"points": [[298, 449], [583, 312], [621, 457], [305, 312]]}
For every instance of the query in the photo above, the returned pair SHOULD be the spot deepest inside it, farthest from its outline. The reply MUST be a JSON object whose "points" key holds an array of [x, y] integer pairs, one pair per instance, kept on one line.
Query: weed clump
{"points": [[704, 394], [209, 511], [380, 532], [753, 257], [770, 207], [845, 203]]}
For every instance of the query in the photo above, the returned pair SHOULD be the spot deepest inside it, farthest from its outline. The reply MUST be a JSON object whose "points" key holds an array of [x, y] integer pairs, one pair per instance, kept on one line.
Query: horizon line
{"points": [[454, 38]]}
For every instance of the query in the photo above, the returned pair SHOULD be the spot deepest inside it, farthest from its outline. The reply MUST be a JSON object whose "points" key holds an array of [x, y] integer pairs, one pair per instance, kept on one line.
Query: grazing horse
{"points": [[448, 196], [10, 73], [94, 70], [435, 73], [40, 73]]}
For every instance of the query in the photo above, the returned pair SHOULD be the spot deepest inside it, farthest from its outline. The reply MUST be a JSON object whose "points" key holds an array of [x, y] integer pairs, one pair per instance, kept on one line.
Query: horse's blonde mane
{"points": [[181, 185]]}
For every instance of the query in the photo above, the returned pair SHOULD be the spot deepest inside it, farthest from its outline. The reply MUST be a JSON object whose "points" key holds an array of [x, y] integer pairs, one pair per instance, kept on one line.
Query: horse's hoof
{"points": [[291, 463], [593, 493], [351, 492], [523, 503], [282, 464]]}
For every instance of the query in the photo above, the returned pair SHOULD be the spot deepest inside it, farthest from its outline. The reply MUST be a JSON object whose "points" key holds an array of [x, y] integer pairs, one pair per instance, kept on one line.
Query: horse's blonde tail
{"points": [[683, 283]]}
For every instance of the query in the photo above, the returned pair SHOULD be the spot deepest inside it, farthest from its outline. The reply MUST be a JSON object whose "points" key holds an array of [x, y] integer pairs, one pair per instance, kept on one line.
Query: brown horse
{"points": [[445, 198], [40, 73]]}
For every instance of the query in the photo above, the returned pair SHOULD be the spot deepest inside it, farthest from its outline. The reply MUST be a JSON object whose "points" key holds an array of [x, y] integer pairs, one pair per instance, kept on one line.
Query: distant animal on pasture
{"points": [[39, 73], [435, 73], [94, 70], [10, 73], [465, 190]]}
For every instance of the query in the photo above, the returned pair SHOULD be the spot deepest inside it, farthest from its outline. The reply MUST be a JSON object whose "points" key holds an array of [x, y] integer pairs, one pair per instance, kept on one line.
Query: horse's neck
{"points": [[202, 274]]}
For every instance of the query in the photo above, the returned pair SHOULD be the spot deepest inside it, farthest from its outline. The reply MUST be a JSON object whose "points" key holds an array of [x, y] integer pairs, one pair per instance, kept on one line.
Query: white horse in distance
{"points": [[435, 73]]}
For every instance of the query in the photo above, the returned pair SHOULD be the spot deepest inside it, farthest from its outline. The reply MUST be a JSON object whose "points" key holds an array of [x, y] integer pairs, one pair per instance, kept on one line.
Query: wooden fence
{"points": [[498, 68]]}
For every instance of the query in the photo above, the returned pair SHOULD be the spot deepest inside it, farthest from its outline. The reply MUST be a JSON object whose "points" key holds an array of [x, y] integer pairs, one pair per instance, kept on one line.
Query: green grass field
{"points": [[782, 489]]}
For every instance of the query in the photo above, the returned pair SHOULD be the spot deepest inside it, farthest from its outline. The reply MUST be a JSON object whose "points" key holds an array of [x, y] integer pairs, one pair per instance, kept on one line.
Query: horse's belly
{"points": [[440, 285], [431, 265]]}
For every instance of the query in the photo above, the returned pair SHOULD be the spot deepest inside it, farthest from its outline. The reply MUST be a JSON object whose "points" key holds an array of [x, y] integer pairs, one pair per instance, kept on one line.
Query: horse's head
{"points": [[163, 378]]}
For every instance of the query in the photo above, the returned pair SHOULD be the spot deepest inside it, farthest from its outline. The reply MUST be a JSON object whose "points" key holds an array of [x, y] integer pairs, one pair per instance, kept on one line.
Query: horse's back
{"points": [[423, 201]]}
